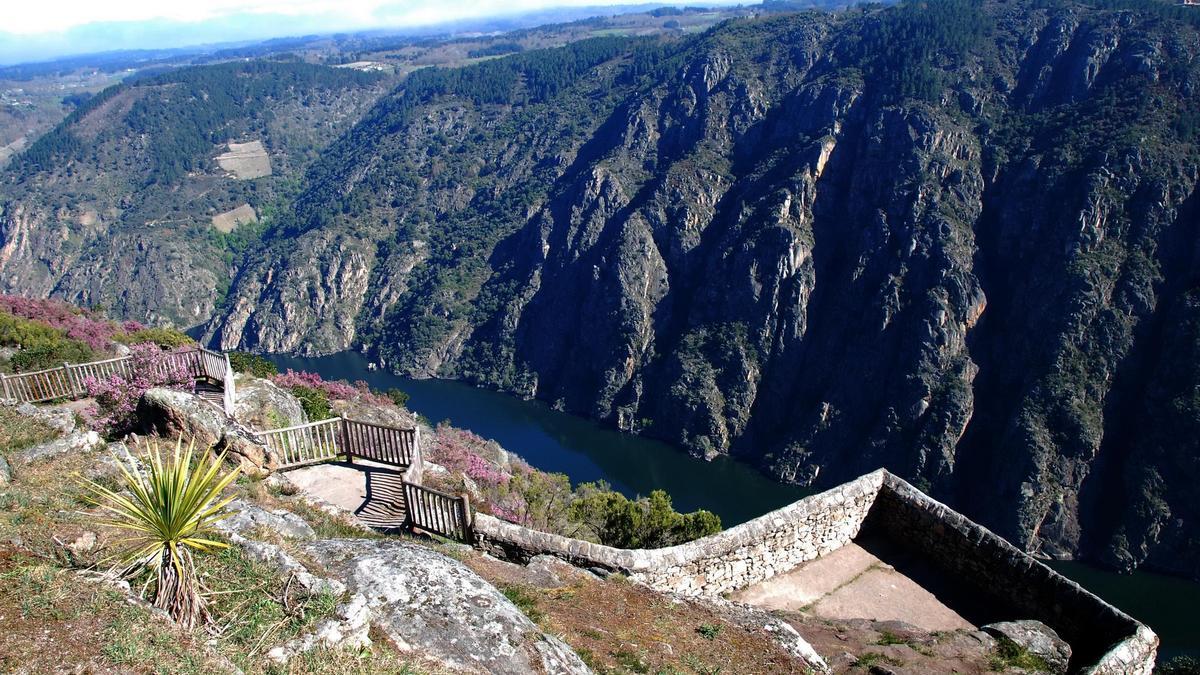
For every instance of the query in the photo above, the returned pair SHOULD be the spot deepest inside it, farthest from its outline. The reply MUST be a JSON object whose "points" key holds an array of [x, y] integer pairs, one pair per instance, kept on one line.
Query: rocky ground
{"points": [[306, 587]]}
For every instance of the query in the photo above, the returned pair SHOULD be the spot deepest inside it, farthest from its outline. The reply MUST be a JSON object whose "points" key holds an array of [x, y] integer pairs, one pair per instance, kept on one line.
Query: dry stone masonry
{"points": [[1105, 640]]}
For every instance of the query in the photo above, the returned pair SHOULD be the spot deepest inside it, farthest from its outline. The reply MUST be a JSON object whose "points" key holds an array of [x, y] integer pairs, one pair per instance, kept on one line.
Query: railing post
{"points": [[468, 530], [7, 392], [408, 510], [344, 438], [230, 397]]}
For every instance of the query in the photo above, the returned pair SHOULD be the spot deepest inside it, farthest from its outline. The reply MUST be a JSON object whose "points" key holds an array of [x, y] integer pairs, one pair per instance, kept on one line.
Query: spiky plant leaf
{"points": [[168, 511]]}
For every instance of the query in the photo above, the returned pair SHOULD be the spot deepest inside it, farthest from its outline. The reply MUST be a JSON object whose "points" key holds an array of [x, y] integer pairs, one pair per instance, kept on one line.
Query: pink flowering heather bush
{"points": [[333, 389], [518, 493], [117, 395], [94, 331]]}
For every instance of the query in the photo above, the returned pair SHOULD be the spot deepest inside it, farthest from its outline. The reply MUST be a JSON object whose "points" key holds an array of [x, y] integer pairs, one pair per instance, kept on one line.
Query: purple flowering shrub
{"points": [[77, 324], [516, 492], [117, 395], [334, 390]]}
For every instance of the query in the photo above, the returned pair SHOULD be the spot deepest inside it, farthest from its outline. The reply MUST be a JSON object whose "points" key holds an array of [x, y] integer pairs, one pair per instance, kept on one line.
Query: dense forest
{"points": [[188, 111]]}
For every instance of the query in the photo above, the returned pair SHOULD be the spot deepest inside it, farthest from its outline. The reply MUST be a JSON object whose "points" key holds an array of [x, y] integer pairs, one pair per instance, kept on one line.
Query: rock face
{"points": [[425, 601], [179, 414], [971, 260], [109, 208], [784, 241], [262, 405], [1036, 638]]}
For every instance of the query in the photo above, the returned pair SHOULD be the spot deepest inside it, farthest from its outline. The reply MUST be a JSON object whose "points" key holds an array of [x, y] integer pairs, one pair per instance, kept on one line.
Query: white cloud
{"points": [[49, 16]]}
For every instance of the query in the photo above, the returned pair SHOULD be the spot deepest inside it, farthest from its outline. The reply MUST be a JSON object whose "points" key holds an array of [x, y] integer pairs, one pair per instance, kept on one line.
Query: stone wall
{"points": [[740, 556], [1100, 634], [1105, 640]]}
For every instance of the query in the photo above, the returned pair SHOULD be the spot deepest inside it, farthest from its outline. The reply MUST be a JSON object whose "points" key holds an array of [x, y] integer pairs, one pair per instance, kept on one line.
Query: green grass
{"points": [[1012, 655], [525, 601], [631, 661], [709, 631], [254, 609], [874, 659], [890, 638], [18, 432]]}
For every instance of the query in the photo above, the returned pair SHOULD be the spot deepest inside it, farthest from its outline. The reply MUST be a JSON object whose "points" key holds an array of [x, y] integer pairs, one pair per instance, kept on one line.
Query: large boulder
{"points": [[426, 602], [1036, 638], [261, 405], [168, 412]]}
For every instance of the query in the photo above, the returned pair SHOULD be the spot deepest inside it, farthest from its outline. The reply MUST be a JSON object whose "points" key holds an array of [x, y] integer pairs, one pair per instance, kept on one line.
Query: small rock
{"points": [[83, 543], [1037, 638], [5, 472], [80, 441]]}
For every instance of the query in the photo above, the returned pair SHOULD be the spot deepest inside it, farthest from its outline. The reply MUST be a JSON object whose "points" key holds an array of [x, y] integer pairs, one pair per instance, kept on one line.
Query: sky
{"points": [[39, 29]]}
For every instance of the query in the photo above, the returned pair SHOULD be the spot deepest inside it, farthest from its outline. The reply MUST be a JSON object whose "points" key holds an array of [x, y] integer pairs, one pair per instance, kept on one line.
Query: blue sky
{"points": [[38, 29]]}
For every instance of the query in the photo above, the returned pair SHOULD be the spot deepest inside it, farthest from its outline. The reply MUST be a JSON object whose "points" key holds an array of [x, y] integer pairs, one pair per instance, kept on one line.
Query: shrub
{"points": [[168, 510], [545, 501], [42, 346], [314, 401], [77, 324], [168, 338], [398, 397], [333, 390], [647, 522], [252, 364], [117, 396]]}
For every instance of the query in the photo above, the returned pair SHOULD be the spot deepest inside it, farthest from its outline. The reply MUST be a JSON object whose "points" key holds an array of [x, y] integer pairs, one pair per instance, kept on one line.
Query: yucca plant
{"points": [[168, 508]]}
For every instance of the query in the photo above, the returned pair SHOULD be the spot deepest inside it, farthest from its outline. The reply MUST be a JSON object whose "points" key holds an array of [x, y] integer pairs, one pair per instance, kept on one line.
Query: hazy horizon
{"points": [[57, 29]]}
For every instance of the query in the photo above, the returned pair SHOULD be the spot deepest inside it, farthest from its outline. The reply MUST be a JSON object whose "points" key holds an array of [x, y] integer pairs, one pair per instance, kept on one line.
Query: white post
{"points": [[230, 394], [4, 381]]}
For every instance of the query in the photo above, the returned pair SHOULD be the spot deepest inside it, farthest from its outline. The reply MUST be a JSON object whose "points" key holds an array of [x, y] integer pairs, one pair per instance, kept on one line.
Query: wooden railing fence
{"points": [[327, 439], [68, 380], [433, 511], [425, 508]]}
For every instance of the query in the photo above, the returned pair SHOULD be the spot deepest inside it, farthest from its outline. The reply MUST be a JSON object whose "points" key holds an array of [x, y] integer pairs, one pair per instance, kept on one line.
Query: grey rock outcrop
{"points": [[79, 441], [180, 414], [260, 404], [247, 518], [60, 419], [1036, 638], [425, 601], [374, 414]]}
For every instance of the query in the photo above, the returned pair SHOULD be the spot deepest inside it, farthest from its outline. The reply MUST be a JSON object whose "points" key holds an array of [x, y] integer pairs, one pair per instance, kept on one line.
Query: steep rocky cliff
{"points": [[954, 239]]}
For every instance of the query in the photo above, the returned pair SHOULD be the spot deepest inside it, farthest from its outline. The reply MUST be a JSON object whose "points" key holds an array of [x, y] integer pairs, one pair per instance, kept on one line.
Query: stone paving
{"points": [[370, 490], [855, 583]]}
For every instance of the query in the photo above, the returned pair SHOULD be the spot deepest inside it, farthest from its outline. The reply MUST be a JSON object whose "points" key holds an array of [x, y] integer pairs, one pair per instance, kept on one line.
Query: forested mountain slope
{"points": [[955, 239], [115, 206]]}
